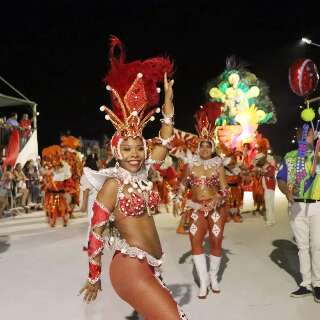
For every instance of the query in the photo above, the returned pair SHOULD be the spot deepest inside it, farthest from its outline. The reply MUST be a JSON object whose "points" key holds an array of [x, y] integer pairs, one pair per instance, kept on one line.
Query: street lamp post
{"points": [[308, 41]]}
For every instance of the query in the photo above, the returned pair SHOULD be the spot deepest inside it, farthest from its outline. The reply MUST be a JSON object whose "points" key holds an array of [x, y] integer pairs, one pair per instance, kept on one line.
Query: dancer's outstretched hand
{"points": [[168, 84], [90, 291]]}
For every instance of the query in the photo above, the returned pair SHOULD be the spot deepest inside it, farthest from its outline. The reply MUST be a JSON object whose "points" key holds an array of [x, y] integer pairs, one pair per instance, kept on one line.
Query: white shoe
{"points": [[201, 267], [214, 269]]}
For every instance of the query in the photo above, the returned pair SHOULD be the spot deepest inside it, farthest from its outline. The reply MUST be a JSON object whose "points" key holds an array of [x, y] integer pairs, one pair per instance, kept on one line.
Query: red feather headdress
{"points": [[134, 92], [205, 120]]}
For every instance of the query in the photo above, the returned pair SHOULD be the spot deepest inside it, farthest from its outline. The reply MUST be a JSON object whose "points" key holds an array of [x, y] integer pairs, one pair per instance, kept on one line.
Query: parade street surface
{"points": [[43, 268]]}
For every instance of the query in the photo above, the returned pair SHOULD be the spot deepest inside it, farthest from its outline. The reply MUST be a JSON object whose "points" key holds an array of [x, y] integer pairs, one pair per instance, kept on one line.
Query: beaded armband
{"points": [[96, 242], [165, 142], [167, 119]]}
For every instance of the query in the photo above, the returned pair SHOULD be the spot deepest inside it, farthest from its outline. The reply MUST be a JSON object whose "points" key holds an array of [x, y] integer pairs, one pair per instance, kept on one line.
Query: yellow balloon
{"points": [[308, 114], [253, 92], [216, 93], [261, 114]]}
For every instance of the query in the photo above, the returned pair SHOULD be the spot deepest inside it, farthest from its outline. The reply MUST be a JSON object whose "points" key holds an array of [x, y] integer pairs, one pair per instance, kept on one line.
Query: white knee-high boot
{"points": [[214, 269], [201, 267]]}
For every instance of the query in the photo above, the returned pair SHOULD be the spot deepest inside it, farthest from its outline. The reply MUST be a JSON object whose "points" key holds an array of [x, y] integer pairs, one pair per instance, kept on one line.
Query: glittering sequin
{"points": [[215, 217], [216, 230], [135, 205], [195, 181], [193, 229], [194, 216]]}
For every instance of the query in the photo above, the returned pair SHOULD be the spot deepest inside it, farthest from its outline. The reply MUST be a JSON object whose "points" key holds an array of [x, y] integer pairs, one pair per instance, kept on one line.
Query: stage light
{"points": [[38, 113]]}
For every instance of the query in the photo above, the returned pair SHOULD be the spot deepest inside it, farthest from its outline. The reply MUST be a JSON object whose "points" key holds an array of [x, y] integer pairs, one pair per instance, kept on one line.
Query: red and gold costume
{"points": [[262, 146], [54, 184], [132, 271], [169, 180], [235, 196], [207, 215], [73, 158], [257, 190]]}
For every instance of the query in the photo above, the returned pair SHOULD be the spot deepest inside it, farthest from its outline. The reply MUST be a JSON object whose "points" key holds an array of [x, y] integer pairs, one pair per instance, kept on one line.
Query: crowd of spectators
{"points": [[20, 188]]}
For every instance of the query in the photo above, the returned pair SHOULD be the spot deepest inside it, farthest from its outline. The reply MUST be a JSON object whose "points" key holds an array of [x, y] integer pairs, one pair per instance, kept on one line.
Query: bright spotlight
{"points": [[310, 42], [306, 40]]}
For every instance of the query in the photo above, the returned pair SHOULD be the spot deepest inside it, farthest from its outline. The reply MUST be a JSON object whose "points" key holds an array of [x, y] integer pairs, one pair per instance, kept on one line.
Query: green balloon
{"points": [[243, 87], [223, 86]]}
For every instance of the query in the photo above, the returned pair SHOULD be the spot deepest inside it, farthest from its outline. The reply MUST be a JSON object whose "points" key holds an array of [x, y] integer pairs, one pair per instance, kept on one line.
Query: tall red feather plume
{"points": [[121, 75], [205, 119], [213, 110]]}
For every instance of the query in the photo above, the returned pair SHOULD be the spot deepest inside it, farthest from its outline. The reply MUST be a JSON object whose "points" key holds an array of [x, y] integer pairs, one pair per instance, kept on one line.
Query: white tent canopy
{"points": [[8, 101]]}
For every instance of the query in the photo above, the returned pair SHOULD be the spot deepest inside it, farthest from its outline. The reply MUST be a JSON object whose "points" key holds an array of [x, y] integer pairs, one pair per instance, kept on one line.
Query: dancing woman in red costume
{"points": [[206, 178], [126, 197]]}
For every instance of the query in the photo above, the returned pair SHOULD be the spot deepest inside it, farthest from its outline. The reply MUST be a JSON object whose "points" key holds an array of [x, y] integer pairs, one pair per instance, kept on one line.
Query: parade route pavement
{"points": [[43, 268]]}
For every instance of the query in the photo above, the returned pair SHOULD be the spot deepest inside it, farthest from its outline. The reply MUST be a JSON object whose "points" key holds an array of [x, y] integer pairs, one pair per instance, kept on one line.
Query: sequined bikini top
{"points": [[136, 204], [204, 181], [135, 194], [139, 196], [195, 181]]}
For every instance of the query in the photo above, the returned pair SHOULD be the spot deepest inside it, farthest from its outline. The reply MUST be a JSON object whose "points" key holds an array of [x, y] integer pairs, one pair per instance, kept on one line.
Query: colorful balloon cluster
{"points": [[303, 80]]}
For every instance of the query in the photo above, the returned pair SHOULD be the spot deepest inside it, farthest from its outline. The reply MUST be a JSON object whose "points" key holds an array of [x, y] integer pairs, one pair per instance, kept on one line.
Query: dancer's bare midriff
{"points": [[140, 232]]}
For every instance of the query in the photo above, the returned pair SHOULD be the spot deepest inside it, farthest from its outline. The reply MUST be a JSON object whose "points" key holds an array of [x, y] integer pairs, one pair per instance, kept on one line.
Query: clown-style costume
{"points": [[126, 199], [57, 172], [299, 175], [206, 179]]}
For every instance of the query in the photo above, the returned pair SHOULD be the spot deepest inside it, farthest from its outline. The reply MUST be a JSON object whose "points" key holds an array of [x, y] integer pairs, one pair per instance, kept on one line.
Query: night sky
{"points": [[56, 54]]}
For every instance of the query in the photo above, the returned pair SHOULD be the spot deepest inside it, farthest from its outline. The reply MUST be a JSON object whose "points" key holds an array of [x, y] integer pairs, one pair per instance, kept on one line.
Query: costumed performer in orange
{"points": [[70, 144], [55, 174], [235, 195]]}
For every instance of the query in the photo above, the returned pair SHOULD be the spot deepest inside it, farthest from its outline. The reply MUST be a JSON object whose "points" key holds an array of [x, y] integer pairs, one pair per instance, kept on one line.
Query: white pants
{"points": [[305, 224], [269, 202]]}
